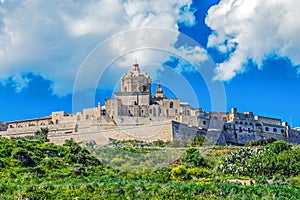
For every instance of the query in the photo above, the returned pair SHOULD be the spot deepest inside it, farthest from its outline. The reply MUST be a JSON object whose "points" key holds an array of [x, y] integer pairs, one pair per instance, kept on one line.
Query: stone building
{"points": [[135, 99], [135, 114]]}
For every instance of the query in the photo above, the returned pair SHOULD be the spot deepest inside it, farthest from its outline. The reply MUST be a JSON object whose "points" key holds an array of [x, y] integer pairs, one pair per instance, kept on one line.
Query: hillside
{"points": [[33, 169]]}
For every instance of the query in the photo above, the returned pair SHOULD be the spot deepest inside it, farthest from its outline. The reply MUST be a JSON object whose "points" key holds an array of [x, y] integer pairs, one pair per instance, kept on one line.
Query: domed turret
{"points": [[159, 93]]}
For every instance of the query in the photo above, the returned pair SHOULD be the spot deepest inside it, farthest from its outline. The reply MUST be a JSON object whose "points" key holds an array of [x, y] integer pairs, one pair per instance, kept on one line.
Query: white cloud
{"points": [[254, 30], [20, 82], [51, 38]]}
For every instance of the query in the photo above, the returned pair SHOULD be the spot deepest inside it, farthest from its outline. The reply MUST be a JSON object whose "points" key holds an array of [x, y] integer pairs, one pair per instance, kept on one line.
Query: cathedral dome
{"points": [[136, 80]]}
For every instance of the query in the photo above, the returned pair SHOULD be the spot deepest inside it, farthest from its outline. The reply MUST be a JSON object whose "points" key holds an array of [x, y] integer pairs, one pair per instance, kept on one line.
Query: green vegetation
{"points": [[260, 142], [34, 169]]}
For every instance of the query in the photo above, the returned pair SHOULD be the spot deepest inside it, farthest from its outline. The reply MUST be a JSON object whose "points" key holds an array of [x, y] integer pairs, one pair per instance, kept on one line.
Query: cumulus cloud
{"points": [[253, 30], [52, 38]]}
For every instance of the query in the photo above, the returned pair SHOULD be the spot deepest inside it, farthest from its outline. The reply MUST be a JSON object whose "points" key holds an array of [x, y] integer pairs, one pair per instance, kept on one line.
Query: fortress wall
{"points": [[192, 120], [125, 120], [215, 137], [147, 133], [59, 139], [184, 132], [294, 137], [241, 138]]}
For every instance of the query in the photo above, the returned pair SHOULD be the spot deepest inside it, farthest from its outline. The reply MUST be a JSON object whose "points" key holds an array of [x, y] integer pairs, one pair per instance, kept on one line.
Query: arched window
{"points": [[267, 129], [171, 104], [275, 130]]}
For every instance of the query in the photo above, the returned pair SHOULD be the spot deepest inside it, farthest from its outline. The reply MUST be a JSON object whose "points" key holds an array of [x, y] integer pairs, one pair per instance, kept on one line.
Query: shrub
{"points": [[260, 142], [192, 156], [278, 147], [179, 172], [236, 162], [275, 158], [198, 140], [198, 172]]}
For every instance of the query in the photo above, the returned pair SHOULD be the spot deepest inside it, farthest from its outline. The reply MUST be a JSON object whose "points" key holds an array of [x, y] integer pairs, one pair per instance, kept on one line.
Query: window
{"points": [[275, 130], [236, 122], [176, 111], [150, 111], [246, 123], [267, 129], [240, 129], [171, 104], [56, 121], [87, 117], [249, 130], [167, 112], [204, 122], [282, 131], [241, 122]]}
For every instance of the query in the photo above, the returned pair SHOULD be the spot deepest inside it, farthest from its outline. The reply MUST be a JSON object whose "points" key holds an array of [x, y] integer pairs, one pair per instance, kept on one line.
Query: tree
{"points": [[43, 133]]}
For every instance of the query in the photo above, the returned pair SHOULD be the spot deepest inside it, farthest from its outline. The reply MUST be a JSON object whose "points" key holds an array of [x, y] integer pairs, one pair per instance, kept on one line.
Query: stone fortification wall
{"points": [[294, 137], [215, 137], [184, 132], [106, 133], [241, 138]]}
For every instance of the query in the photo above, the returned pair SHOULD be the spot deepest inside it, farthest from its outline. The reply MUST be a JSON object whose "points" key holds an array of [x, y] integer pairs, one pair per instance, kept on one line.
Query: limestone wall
{"points": [[241, 138], [294, 137], [184, 132], [108, 132]]}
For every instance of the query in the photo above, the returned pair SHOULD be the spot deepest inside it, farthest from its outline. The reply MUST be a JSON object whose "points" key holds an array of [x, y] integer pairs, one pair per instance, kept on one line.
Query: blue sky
{"points": [[254, 48]]}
